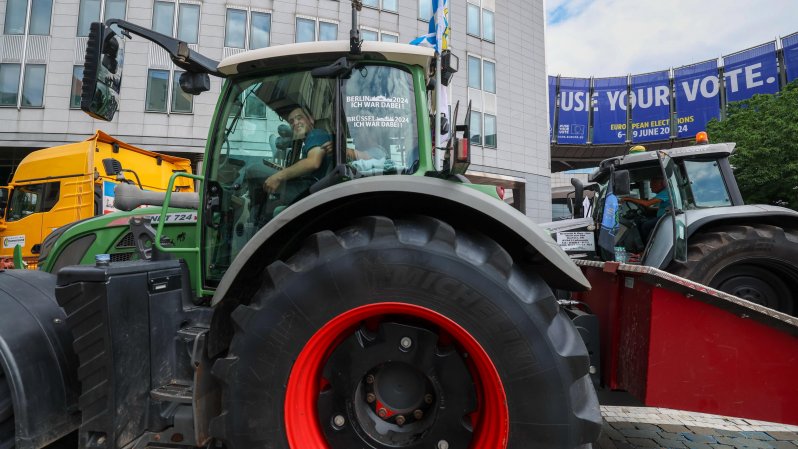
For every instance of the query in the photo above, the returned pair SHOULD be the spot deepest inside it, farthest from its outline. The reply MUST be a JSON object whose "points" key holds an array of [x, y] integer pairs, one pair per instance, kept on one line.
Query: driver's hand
{"points": [[272, 183]]}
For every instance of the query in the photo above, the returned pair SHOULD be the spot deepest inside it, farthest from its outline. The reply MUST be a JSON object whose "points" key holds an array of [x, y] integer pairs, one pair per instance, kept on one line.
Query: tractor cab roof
{"points": [[330, 51], [715, 150]]}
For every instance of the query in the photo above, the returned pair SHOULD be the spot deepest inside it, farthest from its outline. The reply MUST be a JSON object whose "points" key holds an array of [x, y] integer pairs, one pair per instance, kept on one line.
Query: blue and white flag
{"points": [[438, 36]]}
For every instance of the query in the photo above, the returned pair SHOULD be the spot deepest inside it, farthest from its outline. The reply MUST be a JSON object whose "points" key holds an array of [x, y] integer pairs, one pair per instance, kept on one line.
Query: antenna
{"points": [[354, 33]]}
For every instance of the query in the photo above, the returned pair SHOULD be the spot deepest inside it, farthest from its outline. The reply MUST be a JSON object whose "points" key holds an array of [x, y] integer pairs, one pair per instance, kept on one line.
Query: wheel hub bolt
{"points": [[428, 398], [418, 414], [400, 420], [370, 379], [406, 342], [370, 398], [339, 421], [443, 444], [382, 412]]}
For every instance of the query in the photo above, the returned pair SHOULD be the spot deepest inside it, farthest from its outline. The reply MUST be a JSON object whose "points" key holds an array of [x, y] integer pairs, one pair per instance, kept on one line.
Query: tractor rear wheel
{"points": [[404, 334], [758, 263], [6, 414]]}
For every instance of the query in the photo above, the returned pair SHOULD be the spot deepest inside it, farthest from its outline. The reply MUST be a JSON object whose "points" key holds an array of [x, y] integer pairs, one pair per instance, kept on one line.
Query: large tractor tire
{"points": [[404, 334], [758, 263], [6, 414]]}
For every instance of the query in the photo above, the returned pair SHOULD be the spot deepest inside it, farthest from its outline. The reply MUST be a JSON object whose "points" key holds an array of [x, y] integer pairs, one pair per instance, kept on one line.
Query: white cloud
{"points": [[616, 37]]}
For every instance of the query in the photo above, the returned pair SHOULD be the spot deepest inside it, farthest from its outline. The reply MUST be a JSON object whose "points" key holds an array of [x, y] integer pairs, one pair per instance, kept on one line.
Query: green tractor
{"points": [[383, 303], [705, 232]]}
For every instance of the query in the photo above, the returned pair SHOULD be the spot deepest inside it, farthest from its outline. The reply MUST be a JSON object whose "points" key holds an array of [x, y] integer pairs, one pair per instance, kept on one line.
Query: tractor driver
{"points": [[315, 154], [662, 201]]}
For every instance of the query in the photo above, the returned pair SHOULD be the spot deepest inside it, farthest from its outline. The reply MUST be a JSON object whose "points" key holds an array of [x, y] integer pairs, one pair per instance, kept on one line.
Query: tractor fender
{"points": [[457, 203], [37, 358], [661, 253]]}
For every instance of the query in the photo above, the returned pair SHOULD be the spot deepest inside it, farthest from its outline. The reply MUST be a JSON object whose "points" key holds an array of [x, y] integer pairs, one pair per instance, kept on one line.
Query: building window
{"points": [[487, 25], [32, 92], [77, 87], [387, 5], [161, 98], [247, 29], [488, 76], [479, 22], [474, 72], [328, 31], [369, 35], [9, 84], [424, 10], [490, 131], [476, 128], [184, 26], [306, 30], [17, 13], [473, 25], [389, 37], [91, 11]]}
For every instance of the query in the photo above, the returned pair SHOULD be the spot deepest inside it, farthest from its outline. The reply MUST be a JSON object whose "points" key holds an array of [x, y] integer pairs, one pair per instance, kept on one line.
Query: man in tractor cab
{"points": [[662, 201], [315, 154]]}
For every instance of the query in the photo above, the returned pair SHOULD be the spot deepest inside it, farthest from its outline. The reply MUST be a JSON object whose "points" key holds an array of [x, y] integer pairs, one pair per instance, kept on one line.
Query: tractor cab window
{"points": [[706, 184], [278, 138]]}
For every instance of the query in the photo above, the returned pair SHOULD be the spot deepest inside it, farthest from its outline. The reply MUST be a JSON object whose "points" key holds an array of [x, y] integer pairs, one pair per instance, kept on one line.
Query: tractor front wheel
{"points": [[404, 334]]}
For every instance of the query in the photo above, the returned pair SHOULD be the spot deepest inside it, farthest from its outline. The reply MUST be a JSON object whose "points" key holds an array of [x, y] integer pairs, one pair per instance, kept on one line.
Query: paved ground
{"points": [[644, 427]]}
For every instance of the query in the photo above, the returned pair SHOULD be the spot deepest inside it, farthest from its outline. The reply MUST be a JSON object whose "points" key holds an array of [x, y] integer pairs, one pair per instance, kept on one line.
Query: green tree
{"points": [[765, 128]]}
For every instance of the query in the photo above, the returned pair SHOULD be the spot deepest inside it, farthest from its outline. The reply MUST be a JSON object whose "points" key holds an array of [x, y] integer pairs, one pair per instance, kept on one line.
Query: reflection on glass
{"points": [[474, 72], [472, 20], [181, 101], [40, 13], [372, 3], [260, 31], [77, 87], [487, 25], [16, 10], [328, 31], [33, 87], [490, 130], [163, 18], [386, 37], [9, 84], [706, 183], [389, 5], [157, 90], [188, 23], [235, 28], [305, 30], [424, 10], [489, 74], [89, 12]]}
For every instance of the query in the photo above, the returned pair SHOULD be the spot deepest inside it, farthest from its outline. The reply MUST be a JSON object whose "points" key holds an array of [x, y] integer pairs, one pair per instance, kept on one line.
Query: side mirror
{"points": [[194, 83], [112, 166], [621, 184], [579, 196], [102, 72], [450, 64]]}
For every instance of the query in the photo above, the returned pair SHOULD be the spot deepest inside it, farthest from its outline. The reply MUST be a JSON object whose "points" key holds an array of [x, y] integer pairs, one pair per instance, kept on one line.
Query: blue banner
{"points": [[552, 102], [651, 107], [697, 97], [609, 110], [790, 46], [572, 120], [752, 71]]}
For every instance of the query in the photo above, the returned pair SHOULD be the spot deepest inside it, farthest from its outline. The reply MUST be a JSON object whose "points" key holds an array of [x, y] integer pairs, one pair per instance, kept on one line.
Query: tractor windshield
{"points": [[279, 136], [706, 183]]}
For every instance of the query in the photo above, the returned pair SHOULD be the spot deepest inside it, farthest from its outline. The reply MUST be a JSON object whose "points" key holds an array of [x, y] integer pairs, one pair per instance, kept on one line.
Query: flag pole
{"points": [[438, 113]]}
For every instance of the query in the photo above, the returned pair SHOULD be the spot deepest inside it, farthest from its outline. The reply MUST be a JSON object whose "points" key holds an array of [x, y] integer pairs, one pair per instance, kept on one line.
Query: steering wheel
{"points": [[633, 210]]}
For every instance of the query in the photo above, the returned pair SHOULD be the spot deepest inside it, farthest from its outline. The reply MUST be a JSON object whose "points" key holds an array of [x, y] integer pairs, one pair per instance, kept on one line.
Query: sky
{"points": [[614, 37]]}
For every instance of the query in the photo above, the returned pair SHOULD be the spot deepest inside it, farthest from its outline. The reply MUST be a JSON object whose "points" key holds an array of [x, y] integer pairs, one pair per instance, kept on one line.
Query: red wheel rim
{"points": [[301, 415]]}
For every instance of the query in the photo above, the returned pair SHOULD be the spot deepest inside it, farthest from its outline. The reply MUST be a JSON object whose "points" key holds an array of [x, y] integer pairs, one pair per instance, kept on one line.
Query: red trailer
{"points": [[674, 343]]}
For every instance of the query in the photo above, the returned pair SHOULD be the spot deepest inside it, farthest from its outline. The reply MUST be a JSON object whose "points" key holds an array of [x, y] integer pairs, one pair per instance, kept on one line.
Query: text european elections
{"points": [[650, 100]]}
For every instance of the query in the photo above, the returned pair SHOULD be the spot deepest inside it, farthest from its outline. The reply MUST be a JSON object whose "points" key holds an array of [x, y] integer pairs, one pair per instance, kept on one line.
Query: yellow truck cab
{"points": [[58, 185]]}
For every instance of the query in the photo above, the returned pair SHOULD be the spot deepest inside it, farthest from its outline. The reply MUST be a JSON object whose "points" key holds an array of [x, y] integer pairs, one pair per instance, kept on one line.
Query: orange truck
{"points": [[59, 185]]}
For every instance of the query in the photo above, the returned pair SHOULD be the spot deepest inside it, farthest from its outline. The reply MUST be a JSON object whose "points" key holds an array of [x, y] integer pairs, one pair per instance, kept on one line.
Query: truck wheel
{"points": [[404, 334], [758, 263], [6, 414]]}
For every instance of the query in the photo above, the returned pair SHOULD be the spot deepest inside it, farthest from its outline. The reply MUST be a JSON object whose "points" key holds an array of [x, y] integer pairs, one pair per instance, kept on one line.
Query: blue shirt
{"points": [[664, 202], [316, 138]]}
